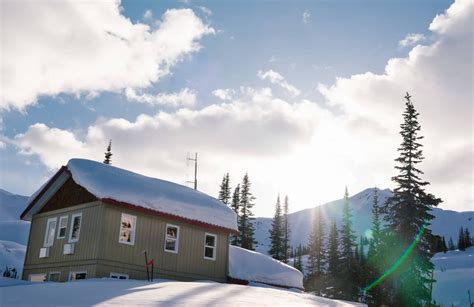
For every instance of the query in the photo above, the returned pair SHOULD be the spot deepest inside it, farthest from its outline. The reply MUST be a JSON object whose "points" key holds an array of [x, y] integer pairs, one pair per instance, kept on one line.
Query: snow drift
{"points": [[255, 267]]}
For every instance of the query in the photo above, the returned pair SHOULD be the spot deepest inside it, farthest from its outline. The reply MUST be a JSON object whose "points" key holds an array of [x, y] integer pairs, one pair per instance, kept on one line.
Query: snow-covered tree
{"points": [[246, 227], [108, 154], [408, 217]]}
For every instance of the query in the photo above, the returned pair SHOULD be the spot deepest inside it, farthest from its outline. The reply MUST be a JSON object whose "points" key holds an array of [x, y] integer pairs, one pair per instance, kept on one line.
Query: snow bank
{"points": [[107, 292], [454, 274], [256, 267], [12, 254], [106, 181]]}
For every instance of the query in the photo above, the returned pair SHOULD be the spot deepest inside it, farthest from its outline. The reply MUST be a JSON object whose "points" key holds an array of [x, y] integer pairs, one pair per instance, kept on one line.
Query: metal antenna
{"points": [[195, 159]]}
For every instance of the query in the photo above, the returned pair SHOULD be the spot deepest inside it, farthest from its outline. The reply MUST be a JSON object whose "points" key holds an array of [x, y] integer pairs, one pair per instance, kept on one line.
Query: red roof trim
{"points": [[166, 215], [40, 194]]}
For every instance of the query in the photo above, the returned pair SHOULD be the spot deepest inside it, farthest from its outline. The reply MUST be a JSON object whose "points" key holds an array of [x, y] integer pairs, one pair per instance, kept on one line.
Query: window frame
{"points": [[76, 272], [177, 239], [72, 228], [54, 273], [47, 231], [118, 276], [38, 274], [214, 248], [64, 217], [134, 228]]}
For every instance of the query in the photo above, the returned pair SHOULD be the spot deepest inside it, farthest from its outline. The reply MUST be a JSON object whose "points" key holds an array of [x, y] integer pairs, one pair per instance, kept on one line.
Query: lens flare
{"points": [[398, 262]]}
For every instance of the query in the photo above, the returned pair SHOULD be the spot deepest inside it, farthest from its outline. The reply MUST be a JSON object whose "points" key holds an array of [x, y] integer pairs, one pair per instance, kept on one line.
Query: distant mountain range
{"points": [[446, 222]]}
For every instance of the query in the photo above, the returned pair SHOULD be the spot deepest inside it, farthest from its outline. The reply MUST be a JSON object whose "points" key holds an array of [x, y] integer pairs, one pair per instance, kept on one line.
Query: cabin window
{"points": [[37, 277], [50, 231], [62, 227], [54, 276], [128, 225], [118, 276], [171, 238], [210, 246], [77, 275], [75, 227]]}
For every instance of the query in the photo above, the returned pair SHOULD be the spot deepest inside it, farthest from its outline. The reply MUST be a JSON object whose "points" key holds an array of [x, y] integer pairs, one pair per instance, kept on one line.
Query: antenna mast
{"points": [[195, 159]]}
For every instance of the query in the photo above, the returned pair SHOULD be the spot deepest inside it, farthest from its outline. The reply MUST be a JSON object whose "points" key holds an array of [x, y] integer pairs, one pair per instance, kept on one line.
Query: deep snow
{"points": [[107, 292], [254, 266]]}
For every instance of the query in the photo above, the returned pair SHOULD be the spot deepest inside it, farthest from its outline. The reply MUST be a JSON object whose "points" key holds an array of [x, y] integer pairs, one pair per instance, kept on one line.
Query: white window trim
{"points": [[214, 248], [50, 220], [64, 217], [35, 274], [71, 228], [50, 273], [118, 275], [134, 228], [77, 272], [177, 239]]}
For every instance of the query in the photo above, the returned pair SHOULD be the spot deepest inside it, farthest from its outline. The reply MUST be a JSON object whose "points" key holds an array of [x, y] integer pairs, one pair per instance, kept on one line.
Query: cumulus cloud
{"points": [[276, 78], [148, 14], [224, 93], [306, 17], [412, 39], [49, 48], [185, 97], [439, 77]]}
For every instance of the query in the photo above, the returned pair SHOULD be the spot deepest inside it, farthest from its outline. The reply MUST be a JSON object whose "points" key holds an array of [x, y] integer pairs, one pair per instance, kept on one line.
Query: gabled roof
{"points": [[120, 187]]}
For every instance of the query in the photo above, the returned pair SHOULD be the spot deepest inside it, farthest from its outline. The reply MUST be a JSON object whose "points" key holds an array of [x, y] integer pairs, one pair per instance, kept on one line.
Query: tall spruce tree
{"points": [[451, 246], [333, 270], [276, 234], [445, 247], [408, 217], [461, 240], [225, 190], [286, 231], [317, 254], [467, 238], [235, 205], [246, 227], [348, 269], [108, 154]]}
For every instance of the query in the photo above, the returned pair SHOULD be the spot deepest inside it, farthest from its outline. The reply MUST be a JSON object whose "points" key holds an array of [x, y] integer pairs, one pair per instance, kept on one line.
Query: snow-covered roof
{"points": [[253, 266], [110, 182]]}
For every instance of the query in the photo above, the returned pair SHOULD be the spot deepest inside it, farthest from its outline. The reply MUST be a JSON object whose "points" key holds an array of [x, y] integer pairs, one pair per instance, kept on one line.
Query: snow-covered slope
{"points": [[256, 267], [454, 276], [107, 292], [446, 223], [12, 254], [11, 228]]}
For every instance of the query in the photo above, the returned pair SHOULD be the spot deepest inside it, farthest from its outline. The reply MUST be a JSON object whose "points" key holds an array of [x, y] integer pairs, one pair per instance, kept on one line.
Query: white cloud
{"points": [[148, 14], [412, 39], [49, 48], [276, 78], [306, 16], [185, 97], [224, 93], [439, 77], [206, 10]]}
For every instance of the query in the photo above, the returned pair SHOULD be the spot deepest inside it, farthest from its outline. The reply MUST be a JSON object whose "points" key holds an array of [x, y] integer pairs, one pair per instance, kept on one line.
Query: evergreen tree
{"points": [[225, 190], [445, 248], [461, 238], [298, 262], [246, 227], [108, 154], [235, 239], [333, 262], [467, 238], [348, 263], [451, 246], [317, 254], [277, 246], [286, 231], [407, 214]]}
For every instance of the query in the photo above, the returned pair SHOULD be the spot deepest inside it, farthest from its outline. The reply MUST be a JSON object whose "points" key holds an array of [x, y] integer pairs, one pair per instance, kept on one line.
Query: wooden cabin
{"points": [[93, 220]]}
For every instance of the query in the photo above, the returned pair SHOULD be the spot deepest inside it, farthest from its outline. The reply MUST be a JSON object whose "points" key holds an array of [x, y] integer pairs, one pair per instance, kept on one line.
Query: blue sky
{"points": [[239, 41]]}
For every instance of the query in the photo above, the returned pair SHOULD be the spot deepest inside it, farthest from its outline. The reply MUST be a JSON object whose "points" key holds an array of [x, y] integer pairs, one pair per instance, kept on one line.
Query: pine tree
{"points": [[108, 154], [317, 254], [348, 263], [225, 190], [246, 227], [467, 238], [286, 231], [461, 238], [298, 262], [333, 262], [408, 217], [276, 234], [445, 248], [235, 239], [451, 246]]}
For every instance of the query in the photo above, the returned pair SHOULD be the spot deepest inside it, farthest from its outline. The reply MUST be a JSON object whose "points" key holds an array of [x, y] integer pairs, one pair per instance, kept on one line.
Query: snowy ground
{"points": [[12, 254], [107, 292], [454, 276]]}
